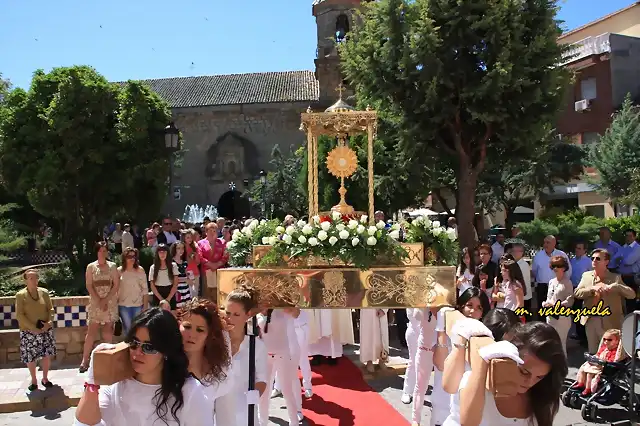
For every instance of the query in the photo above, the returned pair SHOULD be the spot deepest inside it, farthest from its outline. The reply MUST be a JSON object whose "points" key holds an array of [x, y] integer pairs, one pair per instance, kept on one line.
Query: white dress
{"points": [[374, 334], [490, 414], [237, 397], [440, 400], [224, 411], [130, 403]]}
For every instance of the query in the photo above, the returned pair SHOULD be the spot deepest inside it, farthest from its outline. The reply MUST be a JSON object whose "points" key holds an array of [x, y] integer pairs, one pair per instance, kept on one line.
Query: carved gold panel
{"points": [[389, 287]]}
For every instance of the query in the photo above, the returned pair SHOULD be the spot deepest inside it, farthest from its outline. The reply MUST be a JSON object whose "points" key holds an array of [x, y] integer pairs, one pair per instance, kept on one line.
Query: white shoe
{"points": [[308, 393], [300, 416], [406, 398], [275, 393]]}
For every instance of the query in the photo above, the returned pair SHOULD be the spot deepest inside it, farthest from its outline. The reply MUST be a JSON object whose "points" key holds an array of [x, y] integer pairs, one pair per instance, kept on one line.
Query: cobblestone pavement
{"points": [[388, 384]]}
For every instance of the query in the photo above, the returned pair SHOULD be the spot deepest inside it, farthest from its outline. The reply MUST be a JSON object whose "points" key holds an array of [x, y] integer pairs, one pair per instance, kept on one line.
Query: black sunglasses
{"points": [[147, 348], [607, 340], [167, 223], [596, 258]]}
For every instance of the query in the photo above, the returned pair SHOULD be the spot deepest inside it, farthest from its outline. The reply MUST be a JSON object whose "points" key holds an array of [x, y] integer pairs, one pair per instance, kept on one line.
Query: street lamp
{"points": [[232, 186], [172, 145], [263, 182]]}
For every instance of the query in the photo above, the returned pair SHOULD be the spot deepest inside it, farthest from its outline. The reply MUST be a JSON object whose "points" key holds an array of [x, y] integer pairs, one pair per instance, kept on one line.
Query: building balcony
{"points": [[587, 47]]}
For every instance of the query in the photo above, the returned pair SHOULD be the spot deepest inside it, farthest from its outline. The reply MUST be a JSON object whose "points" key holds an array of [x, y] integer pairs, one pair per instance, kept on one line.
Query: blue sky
{"points": [[137, 39]]}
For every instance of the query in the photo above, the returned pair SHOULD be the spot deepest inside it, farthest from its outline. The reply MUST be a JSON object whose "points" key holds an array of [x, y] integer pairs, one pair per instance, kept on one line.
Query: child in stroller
{"points": [[610, 350], [601, 379]]}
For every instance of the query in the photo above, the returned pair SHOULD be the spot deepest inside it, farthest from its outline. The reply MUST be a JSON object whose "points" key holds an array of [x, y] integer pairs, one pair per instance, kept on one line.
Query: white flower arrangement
{"points": [[352, 241], [435, 236]]}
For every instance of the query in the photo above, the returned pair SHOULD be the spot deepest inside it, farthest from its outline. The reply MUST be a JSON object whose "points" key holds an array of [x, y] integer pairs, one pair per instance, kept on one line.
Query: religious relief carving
{"points": [[231, 158]]}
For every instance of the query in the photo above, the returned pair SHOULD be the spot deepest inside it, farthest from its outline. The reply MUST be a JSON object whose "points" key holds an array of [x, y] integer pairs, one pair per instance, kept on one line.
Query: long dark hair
{"points": [[216, 348], [469, 294], [500, 321], [165, 337], [462, 267], [515, 273], [542, 341], [168, 262]]}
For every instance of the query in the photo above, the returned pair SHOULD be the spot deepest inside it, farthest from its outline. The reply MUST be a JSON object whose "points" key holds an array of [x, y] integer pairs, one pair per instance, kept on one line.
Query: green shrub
{"points": [[575, 226]]}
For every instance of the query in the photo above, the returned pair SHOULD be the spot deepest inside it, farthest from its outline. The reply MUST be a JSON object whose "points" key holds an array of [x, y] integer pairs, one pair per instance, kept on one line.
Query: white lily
{"points": [[322, 235], [344, 234], [371, 241], [302, 239], [313, 241], [355, 241], [333, 240], [287, 238], [325, 226]]}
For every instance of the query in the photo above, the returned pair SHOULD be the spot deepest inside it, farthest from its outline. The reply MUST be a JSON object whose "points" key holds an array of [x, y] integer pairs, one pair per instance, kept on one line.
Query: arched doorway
{"points": [[232, 205]]}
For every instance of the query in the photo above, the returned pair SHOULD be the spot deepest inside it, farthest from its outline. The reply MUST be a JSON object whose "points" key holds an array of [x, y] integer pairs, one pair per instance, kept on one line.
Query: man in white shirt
{"points": [[517, 251], [541, 272], [498, 249], [127, 237]]}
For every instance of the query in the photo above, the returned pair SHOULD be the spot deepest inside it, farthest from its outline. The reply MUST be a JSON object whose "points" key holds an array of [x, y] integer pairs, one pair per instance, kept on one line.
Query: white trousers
{"points": [[287, 369], [440, 401], [562, 326], [424, 367], [302, 335], [411, 336]]}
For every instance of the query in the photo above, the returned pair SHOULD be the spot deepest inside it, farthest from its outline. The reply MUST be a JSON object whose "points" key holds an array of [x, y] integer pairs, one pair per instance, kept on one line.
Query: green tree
{"points": [[466, 80], [83, 150], [617, 154], [511, 183], [282, 189]]}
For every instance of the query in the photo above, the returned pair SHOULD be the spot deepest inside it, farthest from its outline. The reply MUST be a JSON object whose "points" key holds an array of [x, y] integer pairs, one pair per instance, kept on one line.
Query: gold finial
{"points": [[309, 109], [340, 89], [368, 108]]}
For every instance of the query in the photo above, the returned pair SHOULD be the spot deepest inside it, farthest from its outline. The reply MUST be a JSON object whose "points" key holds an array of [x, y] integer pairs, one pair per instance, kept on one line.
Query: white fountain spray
{"points": [[193, 213]]}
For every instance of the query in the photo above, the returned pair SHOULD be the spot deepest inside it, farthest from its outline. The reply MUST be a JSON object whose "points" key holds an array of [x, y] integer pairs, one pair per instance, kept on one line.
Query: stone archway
{"points": [[232, 205]]}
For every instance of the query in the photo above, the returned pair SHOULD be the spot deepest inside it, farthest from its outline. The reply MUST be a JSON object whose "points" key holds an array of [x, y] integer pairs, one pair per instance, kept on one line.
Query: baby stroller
{"points": [[613, 387]]}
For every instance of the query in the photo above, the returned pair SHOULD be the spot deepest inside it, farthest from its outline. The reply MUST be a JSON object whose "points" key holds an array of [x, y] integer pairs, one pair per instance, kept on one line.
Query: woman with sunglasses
{"points": [[602, 285], [133, 287], [162, 391], [163, 276], [207, 346]]}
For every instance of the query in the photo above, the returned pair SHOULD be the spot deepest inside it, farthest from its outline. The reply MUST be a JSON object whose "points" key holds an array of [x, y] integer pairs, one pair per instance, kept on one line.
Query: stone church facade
{"points": [[230, 123]]}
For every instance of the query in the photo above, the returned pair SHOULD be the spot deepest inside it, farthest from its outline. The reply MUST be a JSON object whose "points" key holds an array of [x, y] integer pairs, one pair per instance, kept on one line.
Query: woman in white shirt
{"points": [[279, 336], [537, 350], [560, 292], [472, 303], [132, 289], [241, 305], [207, 347], [163, 276], [161, 391], [464, 274]]}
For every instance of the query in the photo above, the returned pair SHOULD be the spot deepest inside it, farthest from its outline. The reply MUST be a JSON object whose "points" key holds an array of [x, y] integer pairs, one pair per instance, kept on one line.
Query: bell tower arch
{"points": [[334, 20]]}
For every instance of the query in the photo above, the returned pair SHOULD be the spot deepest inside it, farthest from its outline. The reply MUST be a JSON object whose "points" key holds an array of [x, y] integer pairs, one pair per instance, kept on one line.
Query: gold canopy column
{"points": [[339, 120]]}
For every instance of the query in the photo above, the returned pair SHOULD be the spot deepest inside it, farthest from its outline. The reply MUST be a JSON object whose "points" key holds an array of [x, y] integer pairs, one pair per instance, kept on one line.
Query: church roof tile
{"points": [[234, 89]]}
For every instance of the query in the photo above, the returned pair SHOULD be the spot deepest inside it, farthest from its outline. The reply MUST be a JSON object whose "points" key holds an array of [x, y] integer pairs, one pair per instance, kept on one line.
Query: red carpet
{"points": [[341, 397]]}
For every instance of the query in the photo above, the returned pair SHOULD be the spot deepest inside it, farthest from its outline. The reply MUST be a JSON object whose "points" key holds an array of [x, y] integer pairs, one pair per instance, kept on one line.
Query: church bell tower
{"points": [[334, 19]]}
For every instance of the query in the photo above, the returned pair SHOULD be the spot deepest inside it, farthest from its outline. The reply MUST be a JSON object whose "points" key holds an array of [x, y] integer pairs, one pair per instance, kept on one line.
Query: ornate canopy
{"points": [[341, 121]]}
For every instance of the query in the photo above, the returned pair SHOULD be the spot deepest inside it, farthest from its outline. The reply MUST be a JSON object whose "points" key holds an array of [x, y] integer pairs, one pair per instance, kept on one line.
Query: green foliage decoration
{"points": [[432, 235]]}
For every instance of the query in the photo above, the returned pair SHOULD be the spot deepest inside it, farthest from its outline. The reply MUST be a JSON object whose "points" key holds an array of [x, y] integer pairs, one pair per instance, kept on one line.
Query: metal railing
{"points": [[587, 47]]}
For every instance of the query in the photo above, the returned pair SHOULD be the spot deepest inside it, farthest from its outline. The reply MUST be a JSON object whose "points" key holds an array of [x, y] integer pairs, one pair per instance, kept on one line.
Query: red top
{"points": [[193, 259], [217, 253]]}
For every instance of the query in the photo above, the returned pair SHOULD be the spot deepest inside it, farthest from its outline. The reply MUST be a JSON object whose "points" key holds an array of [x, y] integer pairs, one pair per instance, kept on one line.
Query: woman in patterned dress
{"points": [[102, 280], [35, 314], [179, 256]]}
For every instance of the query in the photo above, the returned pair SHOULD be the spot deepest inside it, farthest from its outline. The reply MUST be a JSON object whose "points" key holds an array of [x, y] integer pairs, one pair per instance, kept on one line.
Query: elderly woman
{"points": [[560, 292], [35, 314]]}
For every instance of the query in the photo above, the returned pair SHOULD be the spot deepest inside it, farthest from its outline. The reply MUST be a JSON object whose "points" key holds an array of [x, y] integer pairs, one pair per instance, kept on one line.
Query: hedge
{"points": [[575, 226]]}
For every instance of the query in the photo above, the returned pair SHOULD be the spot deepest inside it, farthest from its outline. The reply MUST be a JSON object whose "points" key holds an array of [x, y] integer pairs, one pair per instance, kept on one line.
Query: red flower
{"points": [[325, 219]]}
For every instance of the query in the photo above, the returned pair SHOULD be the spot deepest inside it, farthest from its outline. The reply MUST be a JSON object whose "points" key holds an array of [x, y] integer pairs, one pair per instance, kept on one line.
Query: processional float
{"points": [[314, 282]]}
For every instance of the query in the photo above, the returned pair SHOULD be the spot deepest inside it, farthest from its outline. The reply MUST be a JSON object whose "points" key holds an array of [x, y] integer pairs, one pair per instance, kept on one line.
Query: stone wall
{"points": [[69, 330], [240, 134]]}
